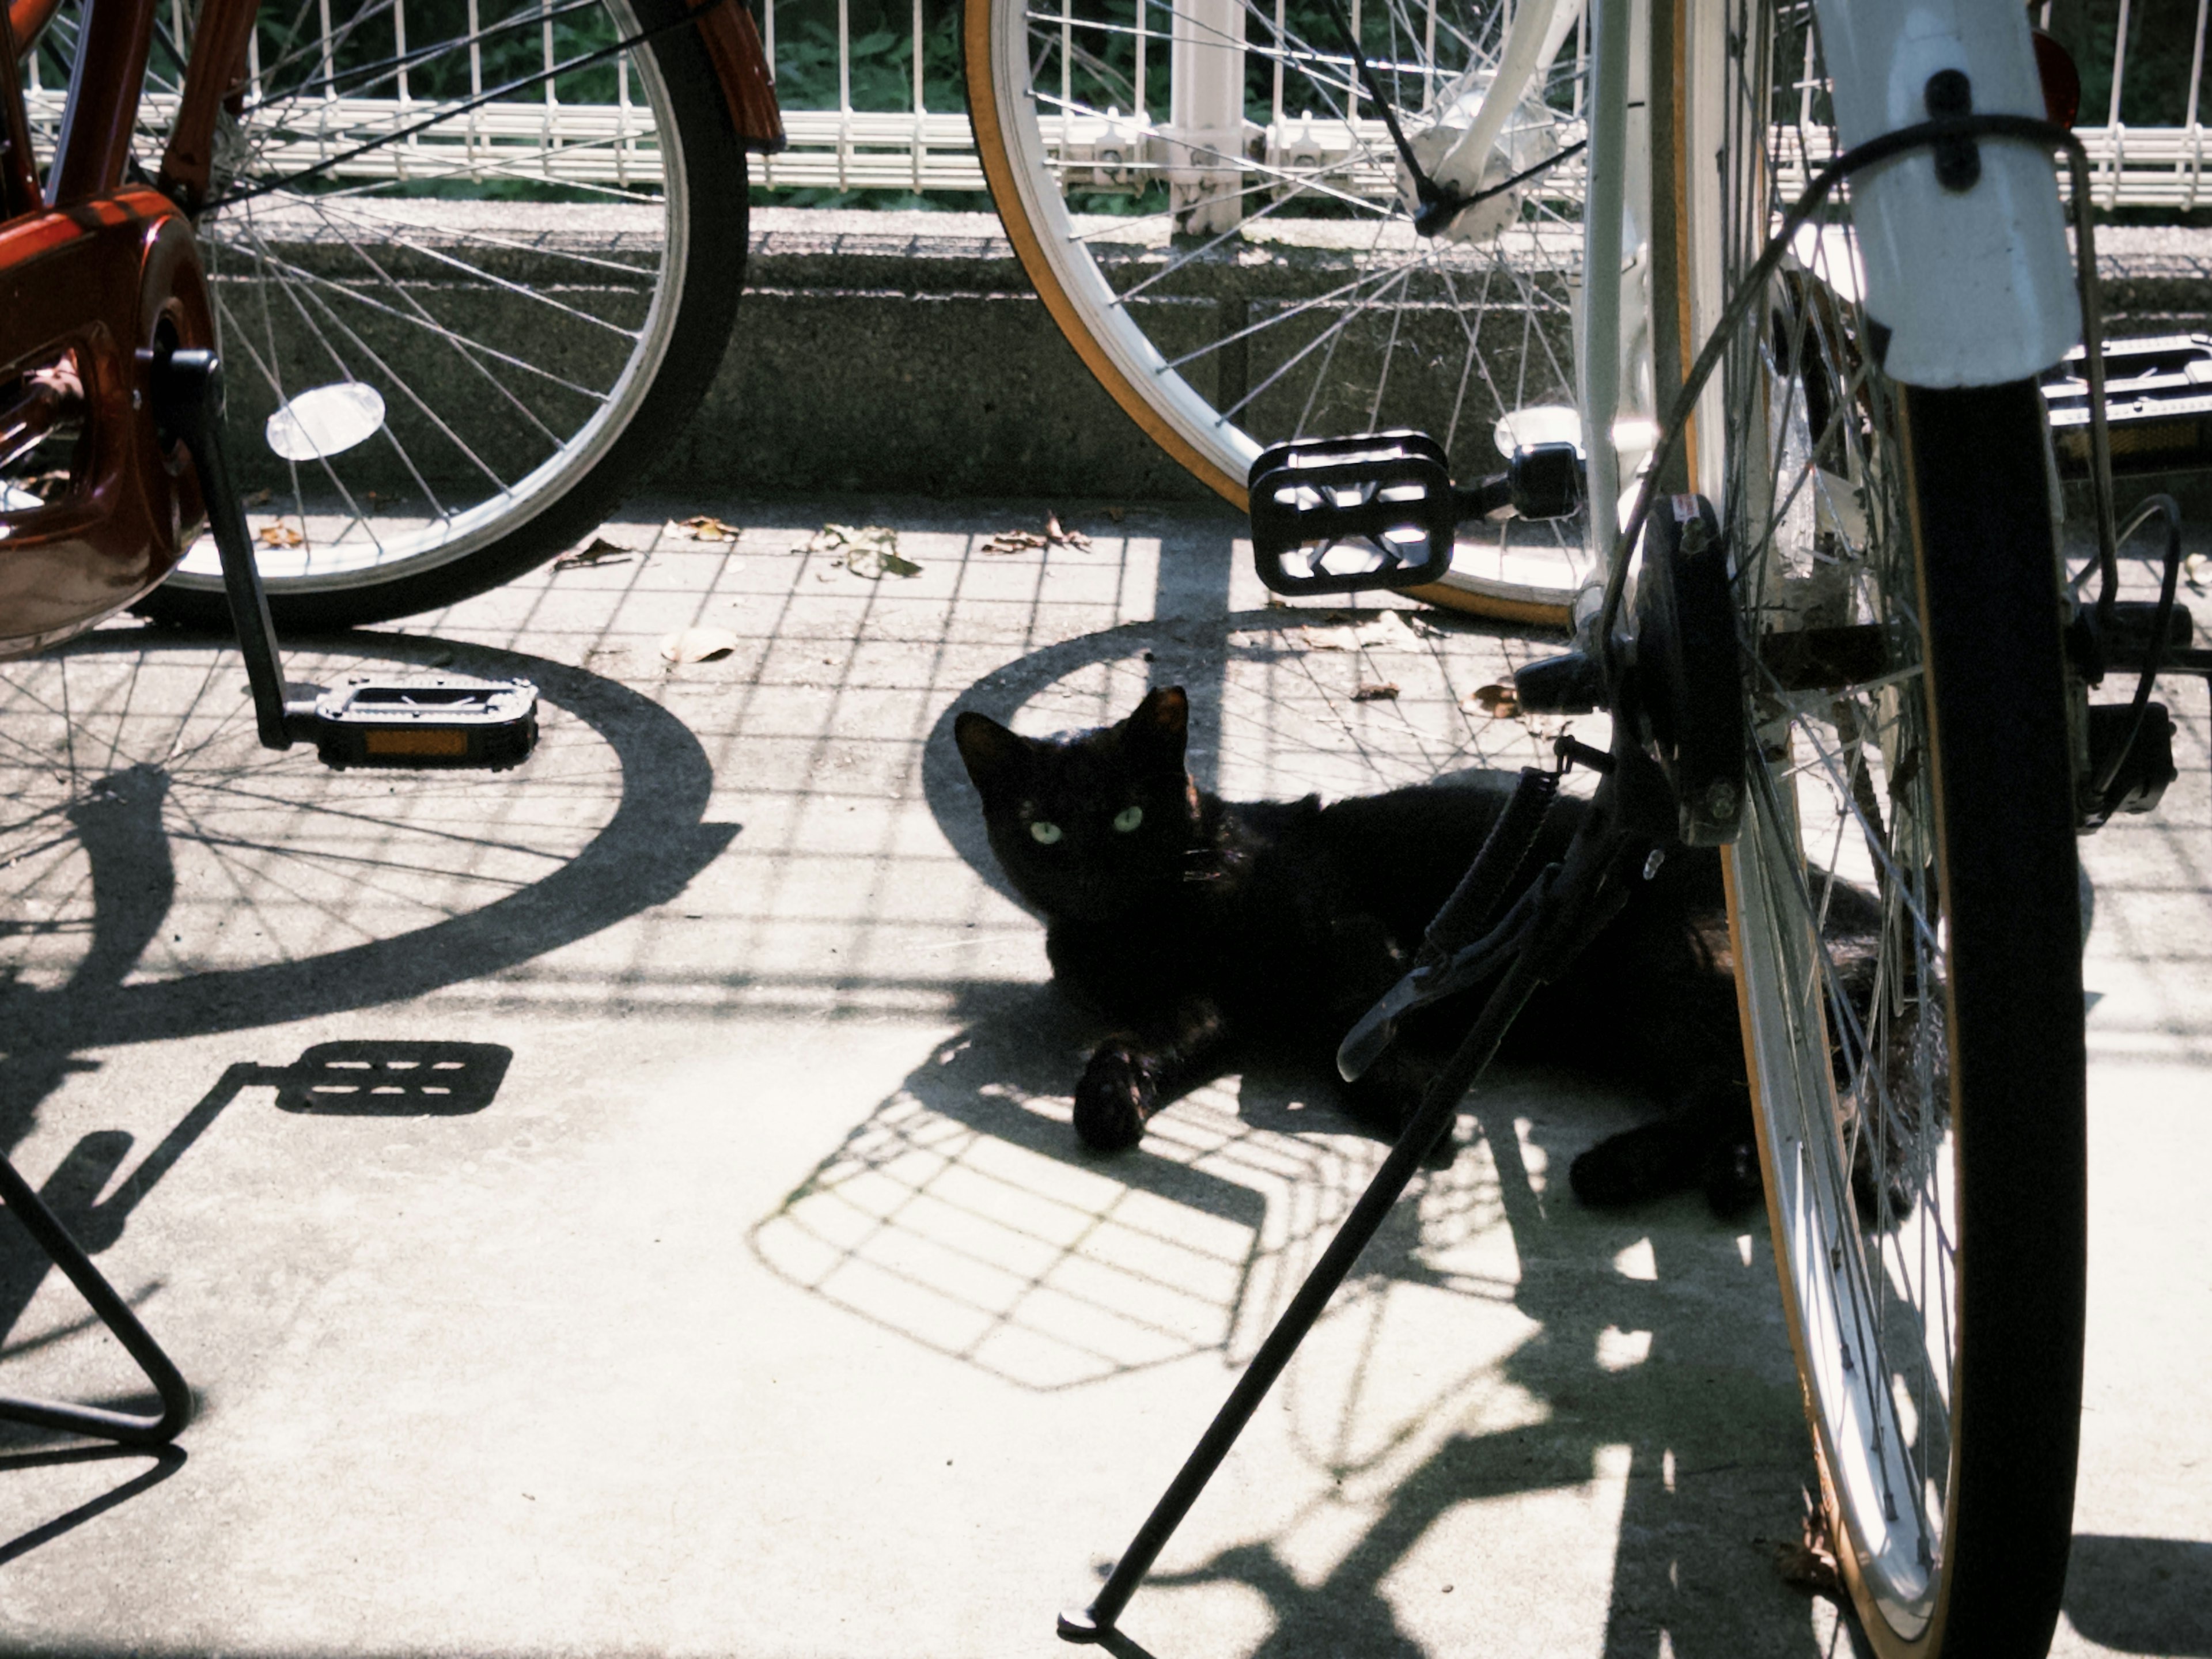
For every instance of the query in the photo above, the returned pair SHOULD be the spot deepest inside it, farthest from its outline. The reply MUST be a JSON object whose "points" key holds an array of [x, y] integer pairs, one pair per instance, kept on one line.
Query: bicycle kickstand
{"points": [[126, 1428], [1540, 935]]}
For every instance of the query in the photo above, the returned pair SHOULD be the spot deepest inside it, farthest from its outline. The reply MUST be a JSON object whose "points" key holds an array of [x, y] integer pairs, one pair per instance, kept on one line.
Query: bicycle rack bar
{"points": [[97, 1421], [1554, 920]]}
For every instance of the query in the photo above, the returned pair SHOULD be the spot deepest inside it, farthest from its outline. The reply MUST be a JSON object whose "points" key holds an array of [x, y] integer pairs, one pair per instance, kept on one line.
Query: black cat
{"points": [[1200, 928]]}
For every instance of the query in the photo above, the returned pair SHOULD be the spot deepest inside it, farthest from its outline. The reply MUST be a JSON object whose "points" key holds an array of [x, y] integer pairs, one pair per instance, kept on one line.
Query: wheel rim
{"points": [[1316, 311], [1841, 949], [494, 409]]}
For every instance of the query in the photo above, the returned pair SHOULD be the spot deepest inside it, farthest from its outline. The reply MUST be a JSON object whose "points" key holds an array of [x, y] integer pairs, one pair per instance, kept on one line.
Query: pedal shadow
{"points": [[390, 1079]]}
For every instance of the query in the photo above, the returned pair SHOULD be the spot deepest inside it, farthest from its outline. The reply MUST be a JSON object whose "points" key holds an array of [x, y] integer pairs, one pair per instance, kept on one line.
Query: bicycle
{"points": [[429, 393], [1831, 623]]}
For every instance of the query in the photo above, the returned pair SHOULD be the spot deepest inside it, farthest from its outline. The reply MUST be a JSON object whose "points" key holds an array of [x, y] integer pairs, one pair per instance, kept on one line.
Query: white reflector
{"points": [[328, 420]]}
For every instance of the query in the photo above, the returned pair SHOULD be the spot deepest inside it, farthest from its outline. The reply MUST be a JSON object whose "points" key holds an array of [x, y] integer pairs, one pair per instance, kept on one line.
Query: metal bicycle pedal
{"points": [[1336, 515], [418, 721], [2158, 406]]}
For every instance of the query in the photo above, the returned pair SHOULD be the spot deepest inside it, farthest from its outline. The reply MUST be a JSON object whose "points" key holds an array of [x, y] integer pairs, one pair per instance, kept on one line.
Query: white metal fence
{"points": [[851, 147]]}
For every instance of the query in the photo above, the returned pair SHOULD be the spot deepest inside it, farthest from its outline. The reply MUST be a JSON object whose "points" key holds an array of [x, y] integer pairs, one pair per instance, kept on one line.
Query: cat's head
{"points": [[1087, 826]]}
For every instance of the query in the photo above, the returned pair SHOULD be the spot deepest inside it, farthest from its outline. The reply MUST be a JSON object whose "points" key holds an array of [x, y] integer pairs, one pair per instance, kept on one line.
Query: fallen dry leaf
{"points": [[1809, 1565], [1021, 541], [1117, 513], [281, 535], [1496, 701], [601, 551], [259, 497], [871, 551], [1374, 691], [699, 527], [1360, 630], [699, 645], [877, 563]]}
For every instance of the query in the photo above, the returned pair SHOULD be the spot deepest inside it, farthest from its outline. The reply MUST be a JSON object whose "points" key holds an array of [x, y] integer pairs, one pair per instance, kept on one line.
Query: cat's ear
{"points": [[1161, 724], [993, 755]]}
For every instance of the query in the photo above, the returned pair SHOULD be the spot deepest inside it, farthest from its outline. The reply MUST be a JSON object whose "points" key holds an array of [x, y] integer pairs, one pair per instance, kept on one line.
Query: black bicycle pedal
{"points": [[436, 721], [1339, 515]]}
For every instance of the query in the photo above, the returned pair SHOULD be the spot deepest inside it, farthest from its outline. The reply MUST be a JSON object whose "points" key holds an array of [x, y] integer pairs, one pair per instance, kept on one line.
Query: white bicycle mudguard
{"points": [[1975, 286]]}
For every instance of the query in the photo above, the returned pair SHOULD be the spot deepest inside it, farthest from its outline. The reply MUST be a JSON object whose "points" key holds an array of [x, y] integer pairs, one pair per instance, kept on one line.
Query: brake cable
{"points": [[2154, 655]]}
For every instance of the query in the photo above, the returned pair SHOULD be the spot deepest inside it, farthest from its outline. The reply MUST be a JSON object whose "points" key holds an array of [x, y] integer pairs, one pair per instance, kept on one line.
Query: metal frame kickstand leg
{"points": [[124, 1427], [1572, 899]]}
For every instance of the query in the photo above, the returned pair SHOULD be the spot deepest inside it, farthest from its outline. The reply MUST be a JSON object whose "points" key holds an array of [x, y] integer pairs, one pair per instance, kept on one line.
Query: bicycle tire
{"points": [[1237, 397], [589, 458], [1923, 1148]]}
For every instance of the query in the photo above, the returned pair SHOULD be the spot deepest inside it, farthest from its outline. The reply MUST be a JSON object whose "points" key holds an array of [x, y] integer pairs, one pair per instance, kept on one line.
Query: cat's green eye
{"points": [[1044, 833], [1128, 818]]}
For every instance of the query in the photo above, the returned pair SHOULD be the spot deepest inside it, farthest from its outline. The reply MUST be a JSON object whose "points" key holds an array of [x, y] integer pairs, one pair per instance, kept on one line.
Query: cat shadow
{"points": [[963, 1214]]}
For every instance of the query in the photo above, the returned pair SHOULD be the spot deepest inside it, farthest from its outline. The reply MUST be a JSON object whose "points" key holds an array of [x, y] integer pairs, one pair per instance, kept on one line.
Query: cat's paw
{"points": [[1115, 1098], [1635, 1165]]}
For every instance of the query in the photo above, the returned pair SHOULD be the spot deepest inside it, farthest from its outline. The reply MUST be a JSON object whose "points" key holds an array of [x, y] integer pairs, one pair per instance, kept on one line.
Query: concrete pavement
{"points": [[766, 1305]]}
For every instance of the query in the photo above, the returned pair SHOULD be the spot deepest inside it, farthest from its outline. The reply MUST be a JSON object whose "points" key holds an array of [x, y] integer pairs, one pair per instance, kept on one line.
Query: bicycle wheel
{"points": [[1216, 217], [536, 291], [1906, 927]]}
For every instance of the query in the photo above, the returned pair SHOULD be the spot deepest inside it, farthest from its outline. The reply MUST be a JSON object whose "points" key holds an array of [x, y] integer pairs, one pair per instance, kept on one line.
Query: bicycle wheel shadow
{"points": [[651, 845], [961, 1215], [2149, 1595], [123, 825]]}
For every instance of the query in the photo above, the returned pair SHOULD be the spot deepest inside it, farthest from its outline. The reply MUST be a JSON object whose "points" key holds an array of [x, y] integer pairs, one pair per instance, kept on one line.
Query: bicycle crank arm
{"points": [[406, 721]]}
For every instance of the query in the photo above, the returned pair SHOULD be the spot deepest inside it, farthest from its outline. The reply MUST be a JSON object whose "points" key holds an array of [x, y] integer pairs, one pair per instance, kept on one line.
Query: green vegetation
{"points": [[2161, 42]]}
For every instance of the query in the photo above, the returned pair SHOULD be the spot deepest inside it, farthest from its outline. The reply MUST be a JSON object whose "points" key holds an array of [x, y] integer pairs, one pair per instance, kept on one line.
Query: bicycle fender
{"points": [[1966, 268], [733, 47]]}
